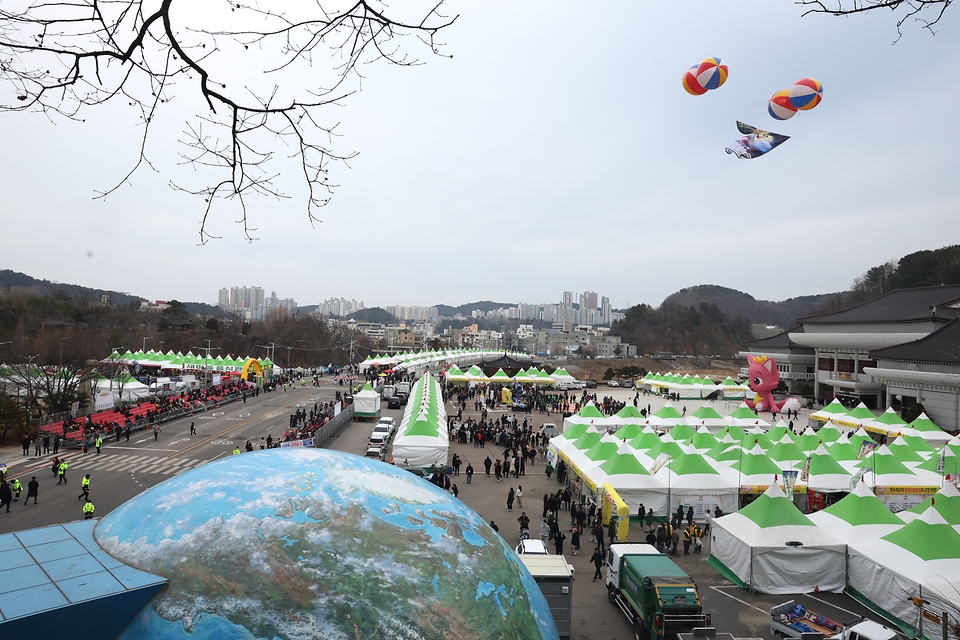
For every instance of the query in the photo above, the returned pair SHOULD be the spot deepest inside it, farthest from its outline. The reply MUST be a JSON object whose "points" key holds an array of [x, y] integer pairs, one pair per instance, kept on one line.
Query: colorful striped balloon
{"points": [[779, 106], [712, 73], [806, 93], [690, 83]]}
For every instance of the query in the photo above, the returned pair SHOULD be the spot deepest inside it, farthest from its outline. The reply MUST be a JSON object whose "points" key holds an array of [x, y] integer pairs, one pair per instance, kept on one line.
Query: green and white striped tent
{"points": [[771, 547]]}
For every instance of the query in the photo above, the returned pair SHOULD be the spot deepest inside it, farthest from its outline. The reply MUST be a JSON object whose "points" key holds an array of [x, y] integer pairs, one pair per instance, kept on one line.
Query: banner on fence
{"points": [[298, 443]]}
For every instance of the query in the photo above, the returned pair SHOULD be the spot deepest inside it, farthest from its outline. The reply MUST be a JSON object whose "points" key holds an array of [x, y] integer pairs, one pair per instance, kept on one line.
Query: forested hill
{"points": [[700, 330], [735, 304], [23, 282]]}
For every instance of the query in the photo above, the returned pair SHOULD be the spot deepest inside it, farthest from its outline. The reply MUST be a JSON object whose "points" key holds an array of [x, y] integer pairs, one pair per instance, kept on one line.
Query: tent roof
{"points": [[590, 411], [928, 537], [774, 509], [861, 506]]}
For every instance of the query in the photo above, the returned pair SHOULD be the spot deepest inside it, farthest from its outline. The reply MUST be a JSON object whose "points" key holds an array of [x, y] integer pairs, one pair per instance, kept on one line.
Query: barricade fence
{"points": [[332, 429]]}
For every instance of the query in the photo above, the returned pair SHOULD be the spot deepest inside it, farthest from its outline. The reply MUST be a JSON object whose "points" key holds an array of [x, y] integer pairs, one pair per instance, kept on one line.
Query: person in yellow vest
{"points": [[236, 450], [88, 510], [687, 539], [98, 443], [85, 487], [62, 472], [17, 488]]}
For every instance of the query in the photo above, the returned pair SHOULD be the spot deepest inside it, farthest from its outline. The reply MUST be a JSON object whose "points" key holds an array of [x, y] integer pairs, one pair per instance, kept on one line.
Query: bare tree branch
{"points": [[927, 12], [61, 58]]}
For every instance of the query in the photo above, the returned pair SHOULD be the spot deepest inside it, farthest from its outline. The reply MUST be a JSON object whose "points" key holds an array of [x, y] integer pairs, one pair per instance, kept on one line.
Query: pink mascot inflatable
{"points": [[763, 379]]}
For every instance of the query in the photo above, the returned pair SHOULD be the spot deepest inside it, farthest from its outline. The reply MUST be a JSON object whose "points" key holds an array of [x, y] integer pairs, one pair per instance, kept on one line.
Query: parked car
{"points": [[402, 396], [521, 405], [375, 451], [613, 383], [384, 429], [389, 421], [378, 438], [590, 384], [393, 402], [531, 546], [550, 429]]}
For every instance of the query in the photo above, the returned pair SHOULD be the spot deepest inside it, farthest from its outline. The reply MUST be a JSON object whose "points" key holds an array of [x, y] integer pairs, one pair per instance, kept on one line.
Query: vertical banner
{"points": [[789, 480]]}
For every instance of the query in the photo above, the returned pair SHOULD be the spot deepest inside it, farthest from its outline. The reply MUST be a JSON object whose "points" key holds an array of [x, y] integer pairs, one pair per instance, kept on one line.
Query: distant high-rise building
{"points": [[588, 300], [223, 300], [568, 298], [339, 307], [606, 310]]}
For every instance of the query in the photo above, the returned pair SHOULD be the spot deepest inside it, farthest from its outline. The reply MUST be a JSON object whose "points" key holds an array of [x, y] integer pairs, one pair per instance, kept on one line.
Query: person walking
{"points": [[675, 539], [37, 446], [98, 443], [126, 433], [88, 510], [469, 473], [193, 431], [510, 496], [650, 519], [156, 432], [575, 538], [6, 495], [46, 443], [62, 472], [689, 516], [455, 491], [597, 560], [687, 539], [85, 487], [33, 489], [57, 441], [496, 470], [486, 466], [16, 487], [544, 533], [25, 443], [519, 495]]}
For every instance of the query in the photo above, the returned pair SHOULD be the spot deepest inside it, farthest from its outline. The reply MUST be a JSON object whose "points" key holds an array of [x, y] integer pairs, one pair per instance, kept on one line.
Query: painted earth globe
{"points": [[311, 543]]}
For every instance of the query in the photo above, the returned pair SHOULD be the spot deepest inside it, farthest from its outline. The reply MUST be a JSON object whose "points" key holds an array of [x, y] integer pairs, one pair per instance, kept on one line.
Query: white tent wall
{"points": [[366, 403], [421, 451], [649, 498], [880, 587], [779, 569]]}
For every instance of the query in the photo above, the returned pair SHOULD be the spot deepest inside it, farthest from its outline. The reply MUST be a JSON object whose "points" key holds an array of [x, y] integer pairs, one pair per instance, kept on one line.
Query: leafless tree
{"points": [[265, 72], [927, 12]]}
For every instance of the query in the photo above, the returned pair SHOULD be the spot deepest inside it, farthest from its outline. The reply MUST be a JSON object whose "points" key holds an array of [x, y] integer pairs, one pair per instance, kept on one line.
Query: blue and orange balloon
{"points": [[806, 93], [706, 76], [712, 73]]}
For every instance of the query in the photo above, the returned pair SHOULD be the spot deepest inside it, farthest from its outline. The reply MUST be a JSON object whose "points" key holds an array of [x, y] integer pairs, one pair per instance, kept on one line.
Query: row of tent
{"points": [[697, 467], [889, 423], [185, 361], [857, 544], [525, 376], [687, 387], [429, 358], [421, 439]]}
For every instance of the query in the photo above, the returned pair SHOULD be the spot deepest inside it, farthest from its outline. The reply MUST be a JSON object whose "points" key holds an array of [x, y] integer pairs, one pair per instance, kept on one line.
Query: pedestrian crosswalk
{"points": [[134, 464]]}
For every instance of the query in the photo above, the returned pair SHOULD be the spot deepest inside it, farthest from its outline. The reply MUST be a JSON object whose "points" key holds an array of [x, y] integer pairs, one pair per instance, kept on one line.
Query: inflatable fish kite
{"points": [[754, 142]]}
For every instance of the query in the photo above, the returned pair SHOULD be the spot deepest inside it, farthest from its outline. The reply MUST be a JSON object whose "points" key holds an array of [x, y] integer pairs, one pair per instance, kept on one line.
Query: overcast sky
{"points": [[555, 151]]}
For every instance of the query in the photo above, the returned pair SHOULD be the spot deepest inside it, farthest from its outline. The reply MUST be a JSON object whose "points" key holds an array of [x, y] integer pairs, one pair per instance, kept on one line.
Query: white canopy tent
{"points": [[771, 547]]}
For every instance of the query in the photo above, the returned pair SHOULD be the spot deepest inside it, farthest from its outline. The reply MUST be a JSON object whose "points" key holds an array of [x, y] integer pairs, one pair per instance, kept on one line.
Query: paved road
{"points": [[125, 469]]}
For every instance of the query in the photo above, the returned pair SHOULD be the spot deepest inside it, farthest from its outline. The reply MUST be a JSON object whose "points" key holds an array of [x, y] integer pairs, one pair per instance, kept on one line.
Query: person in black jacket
{"points": [[597, 560]]}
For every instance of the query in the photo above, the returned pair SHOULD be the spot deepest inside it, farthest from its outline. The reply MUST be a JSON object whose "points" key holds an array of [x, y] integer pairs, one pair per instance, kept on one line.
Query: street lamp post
{"points": [[143, 349], [206, 355]]}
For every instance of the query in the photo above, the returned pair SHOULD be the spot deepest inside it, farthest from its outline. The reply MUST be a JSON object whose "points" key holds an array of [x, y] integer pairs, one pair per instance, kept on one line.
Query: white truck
{"points": [[792, 620]]}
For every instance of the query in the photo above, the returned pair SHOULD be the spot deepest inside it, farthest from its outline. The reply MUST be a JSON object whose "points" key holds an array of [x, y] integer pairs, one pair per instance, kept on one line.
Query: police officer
{"points": [[85, 487], [17, 488], [236, 450], [98, 443], [88, 510], [62, 472]]}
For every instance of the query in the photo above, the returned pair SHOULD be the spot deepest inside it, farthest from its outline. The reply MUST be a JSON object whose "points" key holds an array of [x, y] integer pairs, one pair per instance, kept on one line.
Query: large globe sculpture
{"points": [[308, 544]]}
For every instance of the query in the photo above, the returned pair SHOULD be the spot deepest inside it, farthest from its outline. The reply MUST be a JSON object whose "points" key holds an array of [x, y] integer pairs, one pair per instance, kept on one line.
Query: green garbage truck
{"points": [[656, 595]]}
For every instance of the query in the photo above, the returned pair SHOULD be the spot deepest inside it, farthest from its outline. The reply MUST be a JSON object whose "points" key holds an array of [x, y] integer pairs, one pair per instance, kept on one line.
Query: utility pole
{"points": [[143, 349], [206, 356], [29, 360], [61, 349]]}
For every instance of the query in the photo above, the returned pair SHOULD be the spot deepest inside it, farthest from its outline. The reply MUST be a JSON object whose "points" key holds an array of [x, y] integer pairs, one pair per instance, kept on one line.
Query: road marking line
{"points": [[830, 604], [744, 602]]}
